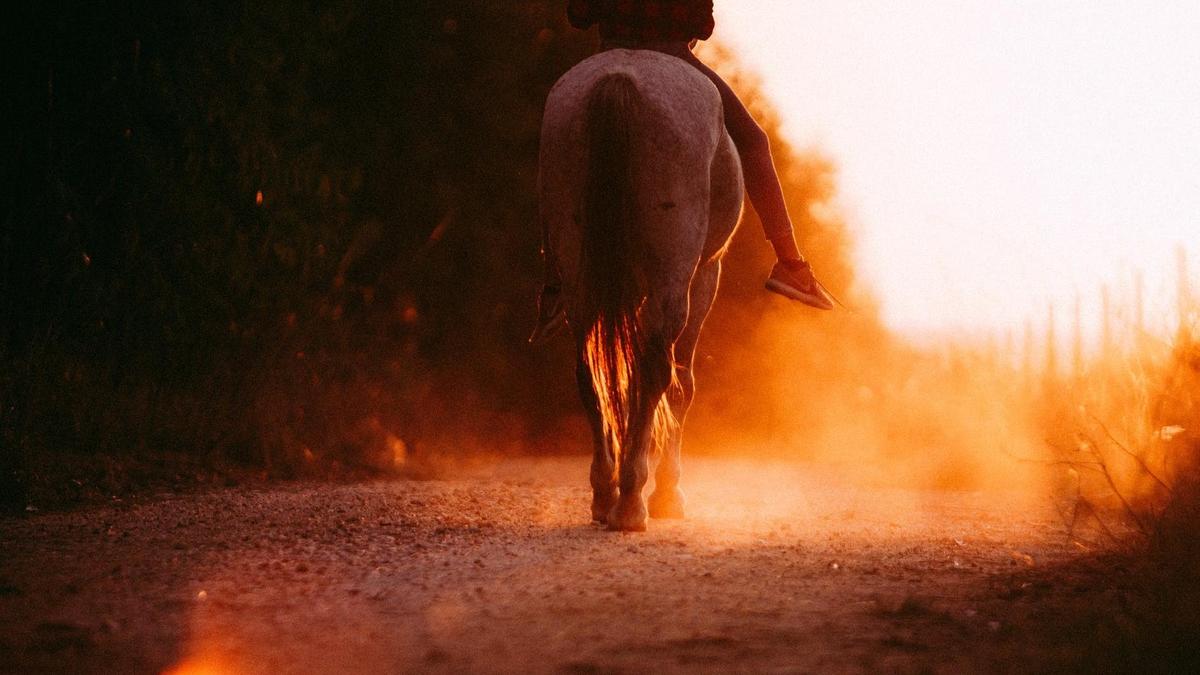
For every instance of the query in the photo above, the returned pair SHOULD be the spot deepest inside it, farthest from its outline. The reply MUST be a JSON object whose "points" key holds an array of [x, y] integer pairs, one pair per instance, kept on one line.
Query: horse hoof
{"points": [[667, 504], [602, 505], [627, 517]]}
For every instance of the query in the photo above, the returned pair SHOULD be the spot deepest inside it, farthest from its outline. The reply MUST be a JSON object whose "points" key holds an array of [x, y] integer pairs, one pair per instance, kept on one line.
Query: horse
{"points": [[640, 191]]}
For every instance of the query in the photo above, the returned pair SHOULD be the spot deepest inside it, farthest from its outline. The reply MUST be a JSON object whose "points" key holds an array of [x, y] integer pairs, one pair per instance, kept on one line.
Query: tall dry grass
{"points": [[1125, 422], [1123, 427]]}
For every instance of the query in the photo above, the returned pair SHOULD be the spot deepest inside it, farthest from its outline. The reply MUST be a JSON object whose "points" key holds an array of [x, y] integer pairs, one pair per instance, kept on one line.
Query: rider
{"points": [[673, 27]]}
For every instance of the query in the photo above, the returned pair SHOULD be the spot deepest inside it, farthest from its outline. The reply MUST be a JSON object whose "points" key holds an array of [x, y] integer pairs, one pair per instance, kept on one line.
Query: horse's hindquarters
{"points": [[676, 135], [638, 179], [726, 199]]}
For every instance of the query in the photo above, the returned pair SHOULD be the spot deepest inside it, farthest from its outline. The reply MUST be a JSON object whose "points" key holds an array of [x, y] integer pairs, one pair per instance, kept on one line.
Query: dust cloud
{"points": [[779, 381]]}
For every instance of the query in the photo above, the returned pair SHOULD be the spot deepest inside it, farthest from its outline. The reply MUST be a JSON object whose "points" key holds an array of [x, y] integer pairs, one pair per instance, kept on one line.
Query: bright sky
{"points": [[995, 154]]}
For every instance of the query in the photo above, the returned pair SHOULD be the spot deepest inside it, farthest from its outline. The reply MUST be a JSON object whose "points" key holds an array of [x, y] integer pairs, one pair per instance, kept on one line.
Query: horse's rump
{"points": [[669, 131], [630, 141]]}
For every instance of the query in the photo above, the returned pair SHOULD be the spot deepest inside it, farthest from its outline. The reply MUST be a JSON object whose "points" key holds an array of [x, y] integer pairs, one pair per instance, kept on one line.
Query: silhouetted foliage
{"points": [[248, 229], [283, 234]]}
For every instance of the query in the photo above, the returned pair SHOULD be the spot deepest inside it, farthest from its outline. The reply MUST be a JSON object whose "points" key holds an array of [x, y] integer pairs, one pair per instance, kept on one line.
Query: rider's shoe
{"points": [[794, 279], [552, 315]]}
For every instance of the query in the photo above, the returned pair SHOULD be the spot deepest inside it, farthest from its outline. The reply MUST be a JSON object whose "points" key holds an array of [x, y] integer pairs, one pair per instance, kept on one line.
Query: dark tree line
{"points": [[287, 235]]}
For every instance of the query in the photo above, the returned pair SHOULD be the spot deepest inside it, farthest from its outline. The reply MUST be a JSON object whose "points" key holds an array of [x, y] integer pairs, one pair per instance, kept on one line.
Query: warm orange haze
{"points": [[268, 402], [1019, 185], [994, 156]]}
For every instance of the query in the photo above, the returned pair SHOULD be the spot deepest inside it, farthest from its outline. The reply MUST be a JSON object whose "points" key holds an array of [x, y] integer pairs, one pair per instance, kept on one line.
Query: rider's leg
{"points": [[753, 146], [792, 276], [754, 150]]}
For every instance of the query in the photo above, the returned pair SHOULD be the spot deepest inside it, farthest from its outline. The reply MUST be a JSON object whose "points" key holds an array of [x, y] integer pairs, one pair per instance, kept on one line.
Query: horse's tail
{"points": [[613, 276]]}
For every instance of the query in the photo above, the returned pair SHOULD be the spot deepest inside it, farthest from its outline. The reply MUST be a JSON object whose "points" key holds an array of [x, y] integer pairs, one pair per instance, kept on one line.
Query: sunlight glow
{"points": [[996, 156]]}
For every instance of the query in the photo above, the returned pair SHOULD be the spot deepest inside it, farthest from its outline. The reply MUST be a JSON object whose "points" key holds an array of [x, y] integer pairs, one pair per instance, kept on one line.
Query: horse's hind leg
{"points": [[603, 474], [630, 512], [667, 500]]}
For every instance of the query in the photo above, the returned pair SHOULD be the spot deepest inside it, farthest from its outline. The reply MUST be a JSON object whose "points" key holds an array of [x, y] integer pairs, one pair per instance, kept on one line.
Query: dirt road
{"points": [[779, 567]]}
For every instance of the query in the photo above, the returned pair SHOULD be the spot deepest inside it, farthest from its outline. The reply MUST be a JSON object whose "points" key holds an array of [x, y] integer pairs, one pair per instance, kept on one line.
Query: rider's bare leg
{"points": [[792, 276]]}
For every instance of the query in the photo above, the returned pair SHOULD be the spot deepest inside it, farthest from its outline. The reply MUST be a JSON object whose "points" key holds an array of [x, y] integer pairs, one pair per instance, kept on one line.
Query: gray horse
{"points": [[640, 192]]}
